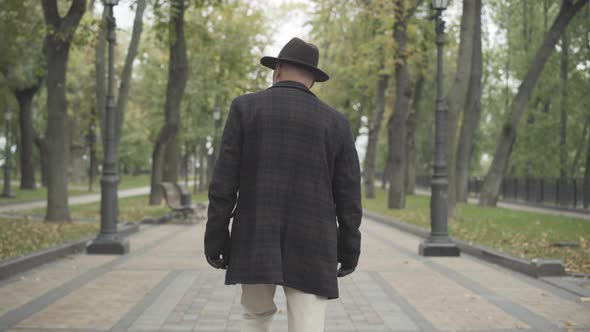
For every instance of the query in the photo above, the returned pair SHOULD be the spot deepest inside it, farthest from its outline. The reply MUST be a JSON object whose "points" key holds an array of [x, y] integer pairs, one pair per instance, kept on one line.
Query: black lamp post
{"points": [[7, 193], [108, 241], [439, 243]]}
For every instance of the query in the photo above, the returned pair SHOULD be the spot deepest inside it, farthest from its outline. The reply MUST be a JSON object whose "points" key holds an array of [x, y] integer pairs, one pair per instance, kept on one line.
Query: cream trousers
{"points": [[305, 312]]}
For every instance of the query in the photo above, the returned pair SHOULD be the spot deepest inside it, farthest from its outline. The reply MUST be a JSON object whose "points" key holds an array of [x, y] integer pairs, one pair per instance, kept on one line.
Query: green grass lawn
{"points": [[23, 236], [130, 209], [523, 234], [23, 195], [74, 189]]}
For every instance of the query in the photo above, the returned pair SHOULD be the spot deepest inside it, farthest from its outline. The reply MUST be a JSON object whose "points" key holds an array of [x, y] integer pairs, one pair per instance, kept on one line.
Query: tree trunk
{"points": [[202, 168], [397, 121], [579, 148], [374, 128], [360, 112], [210, 160], [491, 186], [563, 108], [545, 15], [42, 148], [56, 135], [472, 111], [125, 84], [185, 163], [412, 125], [57, 45], [157, 163], [586, 186], [101, 71], [386, 171], [457, 97], [525, 27], [27, 135], [507, 67], [177, 77], [93, 167], [172, 156]]}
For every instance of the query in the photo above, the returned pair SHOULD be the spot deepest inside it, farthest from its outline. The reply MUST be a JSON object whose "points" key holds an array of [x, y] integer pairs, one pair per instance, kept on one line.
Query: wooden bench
{"points": [[177, 199]]}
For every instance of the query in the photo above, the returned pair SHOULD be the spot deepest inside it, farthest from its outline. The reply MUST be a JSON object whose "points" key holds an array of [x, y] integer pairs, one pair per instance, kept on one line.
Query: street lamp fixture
{"points": [[439, 243], [108, 240], [6, 193]]}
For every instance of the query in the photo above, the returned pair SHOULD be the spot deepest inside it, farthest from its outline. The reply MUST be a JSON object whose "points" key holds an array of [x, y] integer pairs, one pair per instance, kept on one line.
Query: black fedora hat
{"points": [[301, 53]]}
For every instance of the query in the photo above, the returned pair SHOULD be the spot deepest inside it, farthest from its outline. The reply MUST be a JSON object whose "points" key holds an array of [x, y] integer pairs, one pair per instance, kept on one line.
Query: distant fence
{"points": [[550, 192]]}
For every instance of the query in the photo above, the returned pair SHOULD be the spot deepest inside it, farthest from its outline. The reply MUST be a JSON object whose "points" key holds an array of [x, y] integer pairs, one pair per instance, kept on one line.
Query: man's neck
{"points": [[296, 79]]}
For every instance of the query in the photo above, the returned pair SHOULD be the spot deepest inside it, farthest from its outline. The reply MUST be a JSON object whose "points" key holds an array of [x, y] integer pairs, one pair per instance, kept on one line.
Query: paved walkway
{"points": [[74, 200], [164, 284]]}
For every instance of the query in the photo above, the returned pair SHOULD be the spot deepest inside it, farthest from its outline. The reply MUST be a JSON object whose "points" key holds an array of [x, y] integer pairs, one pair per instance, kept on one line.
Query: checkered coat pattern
{"points": [[289, 168]]}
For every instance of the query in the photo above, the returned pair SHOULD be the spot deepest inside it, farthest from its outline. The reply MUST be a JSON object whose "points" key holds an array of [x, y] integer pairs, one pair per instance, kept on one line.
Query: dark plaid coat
{"points": [[288, 165]]}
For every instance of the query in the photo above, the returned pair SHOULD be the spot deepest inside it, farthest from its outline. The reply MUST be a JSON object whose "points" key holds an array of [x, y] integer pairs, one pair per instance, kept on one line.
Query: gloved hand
{"points": [[344, 271], [220, 262]]}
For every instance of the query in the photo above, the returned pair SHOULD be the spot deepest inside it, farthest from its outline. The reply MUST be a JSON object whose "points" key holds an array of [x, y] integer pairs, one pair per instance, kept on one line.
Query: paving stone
{"points": [[115, 293], [29, 286]]}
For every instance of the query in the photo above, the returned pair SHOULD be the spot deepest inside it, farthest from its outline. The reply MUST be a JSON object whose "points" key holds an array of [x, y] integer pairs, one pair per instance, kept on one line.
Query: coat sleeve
{"points": [[223, 189], [347, 196]]}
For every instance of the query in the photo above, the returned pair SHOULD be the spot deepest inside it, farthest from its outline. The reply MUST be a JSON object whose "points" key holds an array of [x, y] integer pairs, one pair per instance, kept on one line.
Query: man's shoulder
{"points": [[245, 97], [248, 99], [337, 115]]}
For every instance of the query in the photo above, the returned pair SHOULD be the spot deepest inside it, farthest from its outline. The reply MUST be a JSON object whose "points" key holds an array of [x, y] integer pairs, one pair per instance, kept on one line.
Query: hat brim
{"points": [[271, 62]]}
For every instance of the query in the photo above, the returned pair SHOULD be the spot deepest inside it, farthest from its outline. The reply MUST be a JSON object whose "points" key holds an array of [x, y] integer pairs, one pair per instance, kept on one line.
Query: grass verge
{"points": [[522, 234], [26, 235], [23, 236], [130, 208], [74, 189]]}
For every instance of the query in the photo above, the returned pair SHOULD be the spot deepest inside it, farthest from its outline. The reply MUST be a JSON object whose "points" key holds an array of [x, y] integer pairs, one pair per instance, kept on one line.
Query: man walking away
{"points": [[293, 162]]}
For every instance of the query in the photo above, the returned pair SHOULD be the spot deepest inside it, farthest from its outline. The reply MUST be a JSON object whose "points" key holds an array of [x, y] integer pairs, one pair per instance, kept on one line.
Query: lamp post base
{"points": [[108, 246], [438, 249]]}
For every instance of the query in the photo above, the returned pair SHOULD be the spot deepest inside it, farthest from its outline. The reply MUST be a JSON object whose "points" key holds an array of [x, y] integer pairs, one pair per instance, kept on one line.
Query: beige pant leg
{"points": [[259, 307], [306, 312]]}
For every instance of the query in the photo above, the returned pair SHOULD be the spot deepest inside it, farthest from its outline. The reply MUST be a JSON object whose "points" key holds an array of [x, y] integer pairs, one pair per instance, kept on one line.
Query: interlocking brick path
{"points": [[164, 284]]}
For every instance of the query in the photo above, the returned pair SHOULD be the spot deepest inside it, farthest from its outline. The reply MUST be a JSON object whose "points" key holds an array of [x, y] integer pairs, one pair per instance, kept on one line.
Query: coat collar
{"points": [[293, 85]]}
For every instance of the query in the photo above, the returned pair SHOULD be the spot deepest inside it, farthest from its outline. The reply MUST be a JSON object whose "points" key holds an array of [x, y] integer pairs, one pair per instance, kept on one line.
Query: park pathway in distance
{"points": [[581, 214], [73, 200], [164, 284]]}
